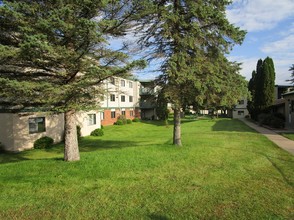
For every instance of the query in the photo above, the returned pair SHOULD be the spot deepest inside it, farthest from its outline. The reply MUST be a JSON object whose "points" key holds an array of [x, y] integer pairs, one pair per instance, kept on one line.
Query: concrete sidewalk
{"points": [[279, 140]]}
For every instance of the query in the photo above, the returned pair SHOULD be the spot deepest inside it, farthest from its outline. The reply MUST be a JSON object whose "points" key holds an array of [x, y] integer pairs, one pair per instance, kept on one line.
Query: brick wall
{"points": [[110, 121]]}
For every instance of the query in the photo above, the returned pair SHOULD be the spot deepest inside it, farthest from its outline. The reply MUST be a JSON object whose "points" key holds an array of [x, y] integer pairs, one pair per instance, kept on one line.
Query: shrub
{"points": [[119, 122], [271, 120], [136, 120], [102, 126], [97, 132], [123, 119], [129, 121], [43, 142]]}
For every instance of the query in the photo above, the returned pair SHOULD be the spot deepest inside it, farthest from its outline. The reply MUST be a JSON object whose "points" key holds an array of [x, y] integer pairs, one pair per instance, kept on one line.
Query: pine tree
{"points": [[55, 54], [190, 38]]}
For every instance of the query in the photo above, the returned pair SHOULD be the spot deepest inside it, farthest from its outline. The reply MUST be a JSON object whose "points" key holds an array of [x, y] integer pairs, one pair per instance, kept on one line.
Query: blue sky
{"points": [[270, 32]]}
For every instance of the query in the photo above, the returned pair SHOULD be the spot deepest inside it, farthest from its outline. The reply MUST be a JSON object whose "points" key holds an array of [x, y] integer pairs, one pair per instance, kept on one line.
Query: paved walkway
{"points": [[279, 140]]}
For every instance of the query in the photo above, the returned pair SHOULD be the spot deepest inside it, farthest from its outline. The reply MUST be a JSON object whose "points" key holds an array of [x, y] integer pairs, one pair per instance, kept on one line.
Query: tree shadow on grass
{"points": [[89, 144], [231, 125]]}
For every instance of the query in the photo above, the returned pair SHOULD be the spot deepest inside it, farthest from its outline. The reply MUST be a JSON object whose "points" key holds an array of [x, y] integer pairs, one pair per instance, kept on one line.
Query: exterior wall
{"points": [[18, 138], [83, 121], [289, 110], [114, 87], [240, 111], [107, 120]]}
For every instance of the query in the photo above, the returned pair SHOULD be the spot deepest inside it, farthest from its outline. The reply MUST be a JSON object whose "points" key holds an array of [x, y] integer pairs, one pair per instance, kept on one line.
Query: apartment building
{"points": [[121, 98], [20, 129]]}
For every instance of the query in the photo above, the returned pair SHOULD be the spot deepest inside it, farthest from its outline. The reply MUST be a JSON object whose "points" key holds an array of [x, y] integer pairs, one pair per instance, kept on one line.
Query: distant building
{"points": [[148, 97], [240, 110], [121, 98]]}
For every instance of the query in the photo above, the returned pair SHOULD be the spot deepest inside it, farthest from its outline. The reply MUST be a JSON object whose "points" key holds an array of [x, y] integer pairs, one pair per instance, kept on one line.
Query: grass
{"points": [[289, 136], [224, 171]]}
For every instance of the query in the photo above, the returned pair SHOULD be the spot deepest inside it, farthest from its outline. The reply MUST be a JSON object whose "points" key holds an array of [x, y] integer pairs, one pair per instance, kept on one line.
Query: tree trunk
{"points": [[177, 127], [71, 148]]}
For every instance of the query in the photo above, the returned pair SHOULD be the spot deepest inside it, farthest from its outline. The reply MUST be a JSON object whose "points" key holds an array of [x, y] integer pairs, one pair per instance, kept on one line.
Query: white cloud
{"points": [[257, 15]]}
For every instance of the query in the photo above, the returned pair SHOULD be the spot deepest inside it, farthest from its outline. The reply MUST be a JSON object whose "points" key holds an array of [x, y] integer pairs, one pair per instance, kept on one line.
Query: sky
{"points": [[270, 32]]}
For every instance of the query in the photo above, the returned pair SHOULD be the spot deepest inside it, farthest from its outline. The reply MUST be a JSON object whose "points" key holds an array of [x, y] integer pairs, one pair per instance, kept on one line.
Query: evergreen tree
{"points": [[190, 37], [54, 54], [262, 86]]}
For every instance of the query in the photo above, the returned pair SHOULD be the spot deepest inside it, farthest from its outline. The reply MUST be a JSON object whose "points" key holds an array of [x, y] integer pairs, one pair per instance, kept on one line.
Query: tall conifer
{"points": [[190, 37], [54, 54]]}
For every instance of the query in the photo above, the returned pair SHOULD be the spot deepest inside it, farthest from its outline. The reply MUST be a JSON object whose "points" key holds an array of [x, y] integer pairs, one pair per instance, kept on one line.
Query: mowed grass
{"points": [[225, 170], [289, 136]]}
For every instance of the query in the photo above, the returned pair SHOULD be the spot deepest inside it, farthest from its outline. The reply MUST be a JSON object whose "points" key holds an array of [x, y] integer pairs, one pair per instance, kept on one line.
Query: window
{"points": [[91, 119], [112, 80], [131, 113], [130, 98], [112, 114], [130, 85], [123, 83], [240, 112], [123, 112], [112, 97], [123, 98], [37, 125], [241, 102]]}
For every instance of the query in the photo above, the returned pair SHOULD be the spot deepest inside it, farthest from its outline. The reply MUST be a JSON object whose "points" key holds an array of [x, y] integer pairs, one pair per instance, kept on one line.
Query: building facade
{"points": [[121, 98]]}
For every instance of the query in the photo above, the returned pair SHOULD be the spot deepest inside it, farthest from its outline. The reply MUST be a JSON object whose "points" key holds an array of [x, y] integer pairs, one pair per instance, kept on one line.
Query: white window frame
{"points": [[92, 119], [37, 125]]}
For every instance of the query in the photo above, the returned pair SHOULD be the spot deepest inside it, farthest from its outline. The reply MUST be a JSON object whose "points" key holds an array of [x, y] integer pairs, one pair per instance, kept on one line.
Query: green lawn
{"points": [[289, 136], [224, 171]]}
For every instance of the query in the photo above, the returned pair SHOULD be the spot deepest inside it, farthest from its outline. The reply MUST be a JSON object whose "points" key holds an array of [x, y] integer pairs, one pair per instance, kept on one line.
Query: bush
{"points": [[97, 132], [119, 122], [123, 119], [136, 120], [271, 120], [43, 142], [129, 121]]}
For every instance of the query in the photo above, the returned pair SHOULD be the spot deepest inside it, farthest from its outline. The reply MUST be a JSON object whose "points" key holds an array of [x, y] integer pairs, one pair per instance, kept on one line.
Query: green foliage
{"points": [[43, 142], [119, 122], [271, 120], [45, 45], [192, 38], [97, 132], [123, 119], [262, 86], [292, 74], [161, 106], [129, 121], [136, 120]]}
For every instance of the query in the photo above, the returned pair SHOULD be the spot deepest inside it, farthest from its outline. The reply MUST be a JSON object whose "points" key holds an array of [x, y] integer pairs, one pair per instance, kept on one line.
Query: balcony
{"points": [[147, 91]]}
